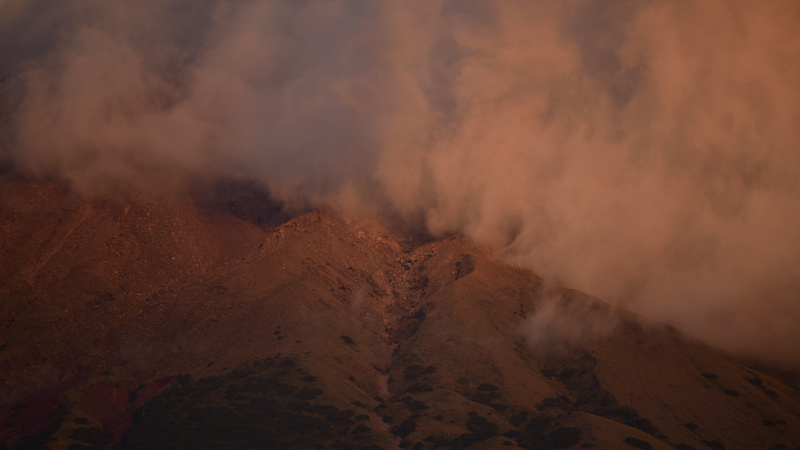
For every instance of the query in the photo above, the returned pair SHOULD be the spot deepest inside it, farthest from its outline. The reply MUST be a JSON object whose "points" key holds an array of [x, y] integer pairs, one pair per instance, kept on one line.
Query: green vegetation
{"points": [[716, 445], [755, 381], [95, 438], [543, 432], [591, 397], [488, 395], [405, 428], [638, 443], [415, 371], [260, 405]]}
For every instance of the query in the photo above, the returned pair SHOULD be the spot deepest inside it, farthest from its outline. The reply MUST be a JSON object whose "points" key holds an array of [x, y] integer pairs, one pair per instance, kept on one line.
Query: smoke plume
{"points": [[644, 152]]}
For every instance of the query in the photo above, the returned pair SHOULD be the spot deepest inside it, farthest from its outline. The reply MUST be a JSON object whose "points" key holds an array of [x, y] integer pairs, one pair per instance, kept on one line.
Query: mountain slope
{"points": [[139, 322]]}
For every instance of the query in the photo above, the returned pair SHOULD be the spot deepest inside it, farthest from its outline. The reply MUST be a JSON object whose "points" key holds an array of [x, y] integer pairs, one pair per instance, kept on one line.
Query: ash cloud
{"points": [[644, 152]]}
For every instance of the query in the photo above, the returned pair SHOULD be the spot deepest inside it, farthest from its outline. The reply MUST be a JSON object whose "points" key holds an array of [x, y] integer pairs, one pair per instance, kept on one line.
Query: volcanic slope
{"points": [[136, 322]]}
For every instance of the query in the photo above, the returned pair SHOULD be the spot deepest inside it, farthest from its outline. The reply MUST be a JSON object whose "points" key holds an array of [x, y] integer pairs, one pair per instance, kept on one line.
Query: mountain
{"points": [[133, 320]]}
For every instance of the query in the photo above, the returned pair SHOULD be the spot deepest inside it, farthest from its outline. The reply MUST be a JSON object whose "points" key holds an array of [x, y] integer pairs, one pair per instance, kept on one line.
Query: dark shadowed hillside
{"points": [[130, 322]]}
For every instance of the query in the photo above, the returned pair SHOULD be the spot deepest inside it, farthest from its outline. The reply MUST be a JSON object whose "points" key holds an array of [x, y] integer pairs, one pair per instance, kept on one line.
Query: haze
{"points": [[644, 152]]}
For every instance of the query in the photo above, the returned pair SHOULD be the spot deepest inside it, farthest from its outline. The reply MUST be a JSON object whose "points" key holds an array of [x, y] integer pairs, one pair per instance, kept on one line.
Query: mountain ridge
{"points": [[116, 309]]}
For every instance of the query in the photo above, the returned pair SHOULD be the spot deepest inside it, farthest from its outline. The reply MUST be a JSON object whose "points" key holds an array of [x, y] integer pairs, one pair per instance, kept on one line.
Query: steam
{"points": [[644, 152], [561, 325]]}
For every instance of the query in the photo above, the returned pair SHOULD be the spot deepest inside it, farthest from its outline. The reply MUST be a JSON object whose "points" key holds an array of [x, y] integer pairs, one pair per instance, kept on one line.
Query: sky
{"points": [[645, 152]]}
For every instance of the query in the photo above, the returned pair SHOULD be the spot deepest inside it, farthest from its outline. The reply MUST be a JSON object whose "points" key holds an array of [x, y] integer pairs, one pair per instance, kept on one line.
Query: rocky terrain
{"points": [[132, 321]]}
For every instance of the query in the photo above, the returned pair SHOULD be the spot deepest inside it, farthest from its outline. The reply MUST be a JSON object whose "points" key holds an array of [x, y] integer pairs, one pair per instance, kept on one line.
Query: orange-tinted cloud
{"points": [[644, 152]]}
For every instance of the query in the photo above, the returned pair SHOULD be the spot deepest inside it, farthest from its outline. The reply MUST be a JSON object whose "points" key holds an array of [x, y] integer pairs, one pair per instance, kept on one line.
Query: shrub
{"points": [[563, 437], [288, 362], [479, 425], [755, 381], [99, 437], [716, 445], [499, 407], [417, 406], [360, 429], [771, 393], [404, 429], [413, 372], [638, 443]]}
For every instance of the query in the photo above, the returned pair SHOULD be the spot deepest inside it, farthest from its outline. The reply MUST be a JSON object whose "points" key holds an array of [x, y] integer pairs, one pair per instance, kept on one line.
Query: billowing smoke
{"points": [[562, 324], [645, 152]]}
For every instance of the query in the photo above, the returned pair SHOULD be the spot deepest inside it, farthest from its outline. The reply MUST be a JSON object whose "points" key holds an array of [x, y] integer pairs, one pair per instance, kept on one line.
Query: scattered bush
{"points": [[415, 371], [250, 407], [479, 425], [644, 425], [638, 443], [417, 406], [771, 393], [419, 386], [563, 437], [716, 445], [97, 437], [499, 407], [404, 429], [755, 381], [287, 362], [560, 402], [360, 429]]}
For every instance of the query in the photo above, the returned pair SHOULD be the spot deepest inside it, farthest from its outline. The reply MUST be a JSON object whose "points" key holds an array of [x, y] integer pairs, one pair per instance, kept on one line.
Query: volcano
{"points": [[131, 320]]}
